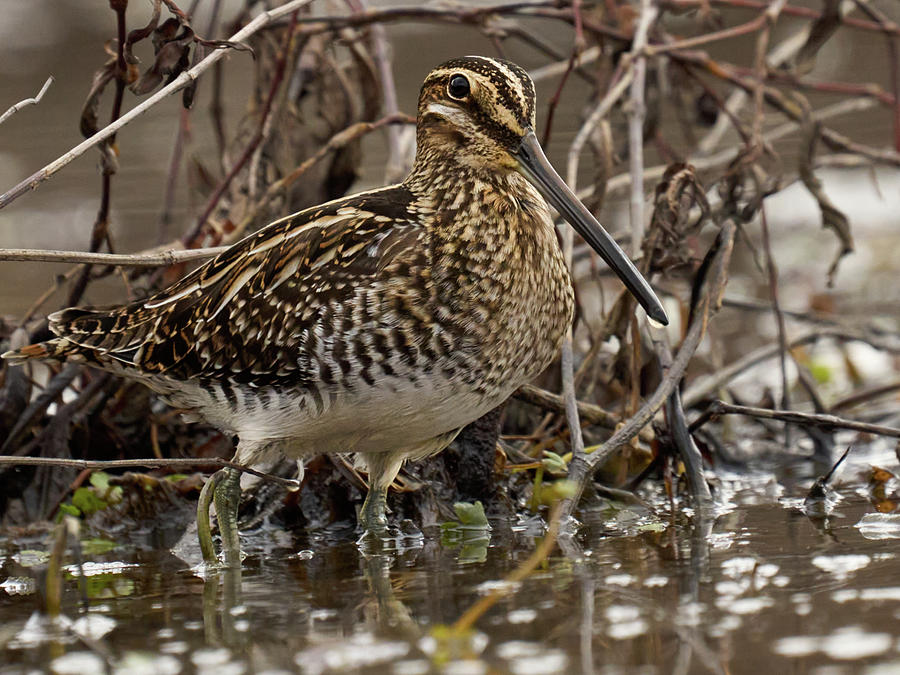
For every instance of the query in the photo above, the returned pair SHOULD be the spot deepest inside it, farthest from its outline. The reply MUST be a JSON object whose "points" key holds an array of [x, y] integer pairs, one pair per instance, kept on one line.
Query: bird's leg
{"points": [[204, 532], [228, 499], [383, 468]]}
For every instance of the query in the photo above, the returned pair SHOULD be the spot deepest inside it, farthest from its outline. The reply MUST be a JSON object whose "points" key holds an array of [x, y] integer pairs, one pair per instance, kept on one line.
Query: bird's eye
{"points": [[458, 87]]}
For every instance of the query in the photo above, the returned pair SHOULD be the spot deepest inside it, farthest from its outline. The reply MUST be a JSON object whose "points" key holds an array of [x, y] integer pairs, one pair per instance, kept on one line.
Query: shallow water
{"points": [[757, 584]]}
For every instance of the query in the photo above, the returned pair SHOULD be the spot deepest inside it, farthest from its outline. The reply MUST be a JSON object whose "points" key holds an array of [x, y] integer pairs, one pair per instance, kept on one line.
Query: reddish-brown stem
{"points": [[706, 38], [101, 224], [554, 101]]}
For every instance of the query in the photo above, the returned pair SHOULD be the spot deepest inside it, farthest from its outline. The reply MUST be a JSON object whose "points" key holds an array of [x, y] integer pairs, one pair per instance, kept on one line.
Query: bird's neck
{"points": [[444, 157]]}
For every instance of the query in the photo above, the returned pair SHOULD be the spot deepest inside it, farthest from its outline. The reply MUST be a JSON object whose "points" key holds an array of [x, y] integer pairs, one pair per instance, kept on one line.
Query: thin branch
{"points": [[153, 463], [824, 422], [636, 113], [179, 83], [27, 102], [164, 258]]}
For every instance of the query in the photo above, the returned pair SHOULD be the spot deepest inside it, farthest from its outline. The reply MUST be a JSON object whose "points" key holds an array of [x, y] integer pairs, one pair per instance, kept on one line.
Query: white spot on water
{"points": [[497, 585], [93, 626], [800, 645], [76, 663], [359, 651], [878, 594], [622, 580], [412, 667], [144, 663], [744, 606], [845, 595], [841, 566], [19, 586], [738, 566], [879, 526], [521, 616], [854, 643], [627, 629], [844, 644], [93, 568], [551, 661]]}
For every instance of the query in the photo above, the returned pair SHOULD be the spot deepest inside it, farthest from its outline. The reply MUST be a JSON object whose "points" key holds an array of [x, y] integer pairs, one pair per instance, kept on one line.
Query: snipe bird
{"points": [[380, 323]]}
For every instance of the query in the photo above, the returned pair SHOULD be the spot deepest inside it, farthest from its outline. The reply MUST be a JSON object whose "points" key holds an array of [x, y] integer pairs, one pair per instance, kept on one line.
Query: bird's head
{"points": [[478, 112]]}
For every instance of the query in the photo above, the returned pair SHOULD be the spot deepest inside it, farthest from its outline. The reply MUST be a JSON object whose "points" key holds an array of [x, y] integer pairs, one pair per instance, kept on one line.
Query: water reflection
{"points": [[756, 586]]}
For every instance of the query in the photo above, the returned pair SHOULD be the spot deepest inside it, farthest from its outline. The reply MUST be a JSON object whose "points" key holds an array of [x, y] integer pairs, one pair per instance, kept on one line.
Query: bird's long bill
{"points": [[540, 172]]}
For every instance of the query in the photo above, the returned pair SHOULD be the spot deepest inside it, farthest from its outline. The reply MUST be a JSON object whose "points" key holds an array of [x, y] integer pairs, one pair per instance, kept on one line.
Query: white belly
{"points": [[392, 415]]}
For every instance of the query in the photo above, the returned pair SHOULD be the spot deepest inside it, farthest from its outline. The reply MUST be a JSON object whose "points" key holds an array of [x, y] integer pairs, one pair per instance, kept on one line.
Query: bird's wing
{"points": [[263, 310]]}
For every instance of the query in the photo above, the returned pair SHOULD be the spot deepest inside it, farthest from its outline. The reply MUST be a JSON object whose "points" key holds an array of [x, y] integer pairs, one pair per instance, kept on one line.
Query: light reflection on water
{"points": [[761, 586]]}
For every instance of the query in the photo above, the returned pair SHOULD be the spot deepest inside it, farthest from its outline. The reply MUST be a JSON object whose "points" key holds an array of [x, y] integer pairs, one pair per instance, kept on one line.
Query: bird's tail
{"points": [[58, 348], [83, 335]]}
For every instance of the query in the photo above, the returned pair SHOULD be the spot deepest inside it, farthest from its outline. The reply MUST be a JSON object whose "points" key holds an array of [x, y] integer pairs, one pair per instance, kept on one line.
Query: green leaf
{"points": [[554, 463], [175, 477], [97, 546], [100, 480], [88, 502], [652, 527], [70, 510], [471, 515]]}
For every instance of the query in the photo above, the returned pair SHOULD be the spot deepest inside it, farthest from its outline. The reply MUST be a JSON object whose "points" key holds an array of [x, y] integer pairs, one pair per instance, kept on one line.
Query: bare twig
{"points": [[162, 258], [772, 272], [179, 83], [789, 10], [152, 463], [588, 412], [16, 107], [637, 111], [824, 422], [893, 57], [762, 46]]}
